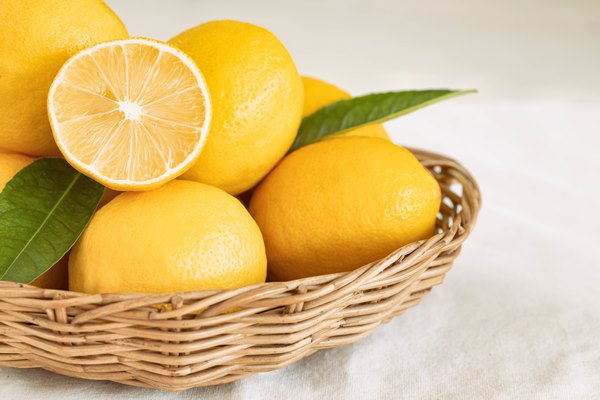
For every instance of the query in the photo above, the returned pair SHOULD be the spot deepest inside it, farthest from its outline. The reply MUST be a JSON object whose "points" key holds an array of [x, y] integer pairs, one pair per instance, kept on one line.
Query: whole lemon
{"points": [[339, 204], [10, 164], [256, 95], [318, 94], [55, 277], [183, 236], [36, 38]]}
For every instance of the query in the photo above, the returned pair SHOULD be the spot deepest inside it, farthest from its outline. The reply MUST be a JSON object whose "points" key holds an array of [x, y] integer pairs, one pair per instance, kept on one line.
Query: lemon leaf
{"points": [[43, 210], [344, 115]]}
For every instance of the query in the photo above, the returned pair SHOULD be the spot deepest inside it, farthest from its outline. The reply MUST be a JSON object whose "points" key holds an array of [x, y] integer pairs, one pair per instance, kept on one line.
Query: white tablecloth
{"points": [[519, 314]]}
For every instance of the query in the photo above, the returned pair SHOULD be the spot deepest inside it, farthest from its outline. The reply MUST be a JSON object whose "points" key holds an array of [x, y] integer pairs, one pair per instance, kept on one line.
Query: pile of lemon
{"points": [[181, 128]]}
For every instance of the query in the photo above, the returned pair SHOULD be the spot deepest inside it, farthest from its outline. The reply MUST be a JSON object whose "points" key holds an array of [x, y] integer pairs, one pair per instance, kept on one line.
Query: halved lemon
{"points": [[131, 114]]}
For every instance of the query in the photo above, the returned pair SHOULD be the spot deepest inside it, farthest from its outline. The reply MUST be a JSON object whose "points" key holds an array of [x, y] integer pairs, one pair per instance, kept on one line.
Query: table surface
{"points": [[519, 314]]}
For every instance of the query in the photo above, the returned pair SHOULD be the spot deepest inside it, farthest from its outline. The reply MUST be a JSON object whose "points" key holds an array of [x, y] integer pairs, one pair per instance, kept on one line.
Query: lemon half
{"points": [[131, 114]]}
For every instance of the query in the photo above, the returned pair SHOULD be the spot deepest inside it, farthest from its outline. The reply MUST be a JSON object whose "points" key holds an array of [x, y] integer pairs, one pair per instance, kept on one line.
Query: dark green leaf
{"points": [[344, 115], [43, 210]]}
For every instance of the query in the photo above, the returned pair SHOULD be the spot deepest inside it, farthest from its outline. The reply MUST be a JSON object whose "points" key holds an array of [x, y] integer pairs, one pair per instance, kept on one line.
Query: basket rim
{"points": [[426, 158]]}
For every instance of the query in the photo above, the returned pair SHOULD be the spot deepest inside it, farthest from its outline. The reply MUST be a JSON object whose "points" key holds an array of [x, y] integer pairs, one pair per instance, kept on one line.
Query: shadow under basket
{"points": [[177, 341]]}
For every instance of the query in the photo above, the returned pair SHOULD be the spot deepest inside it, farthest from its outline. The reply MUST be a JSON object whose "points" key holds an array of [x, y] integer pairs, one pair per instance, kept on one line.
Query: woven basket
{"points": [[178, 341]]}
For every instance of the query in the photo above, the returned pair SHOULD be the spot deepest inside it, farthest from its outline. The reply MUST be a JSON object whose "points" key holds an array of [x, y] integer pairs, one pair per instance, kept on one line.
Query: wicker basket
{"points": [[178, 341]]}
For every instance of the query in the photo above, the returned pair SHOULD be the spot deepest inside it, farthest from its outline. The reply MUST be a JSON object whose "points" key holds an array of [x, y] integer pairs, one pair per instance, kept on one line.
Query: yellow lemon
{"points": [[55, 277], [318, 94], [36, 38], [339, 204], [182, 236], [131, 114], [10, 164], [256, 94]]}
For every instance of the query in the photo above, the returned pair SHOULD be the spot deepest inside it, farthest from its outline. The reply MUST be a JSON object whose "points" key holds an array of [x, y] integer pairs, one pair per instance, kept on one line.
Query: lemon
{"points": [[341, 203], [36, 38], [10, 164], [318, 94], [131, 114], [257, 102], [182, 236], [55, 277]]}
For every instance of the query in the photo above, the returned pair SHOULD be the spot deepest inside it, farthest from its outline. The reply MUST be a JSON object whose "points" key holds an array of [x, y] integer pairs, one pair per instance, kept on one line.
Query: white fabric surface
{"points": [[519, 314]]}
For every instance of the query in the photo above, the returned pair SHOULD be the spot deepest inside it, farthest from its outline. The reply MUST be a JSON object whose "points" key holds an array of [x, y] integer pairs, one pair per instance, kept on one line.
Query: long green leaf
{"points": [[344, 115], [43, 210]]}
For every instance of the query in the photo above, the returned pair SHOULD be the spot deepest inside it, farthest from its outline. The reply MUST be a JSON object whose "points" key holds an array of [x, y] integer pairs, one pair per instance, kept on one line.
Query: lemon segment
{"points": [[131, 114]]}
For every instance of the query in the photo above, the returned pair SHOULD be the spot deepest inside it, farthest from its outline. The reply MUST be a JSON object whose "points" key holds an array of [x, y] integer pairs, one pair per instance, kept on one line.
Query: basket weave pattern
{"points": [[181, 340]]}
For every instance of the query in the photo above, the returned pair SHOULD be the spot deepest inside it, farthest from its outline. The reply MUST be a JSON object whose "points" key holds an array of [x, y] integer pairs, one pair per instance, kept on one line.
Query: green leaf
{"points": [[43, 210], [344, 115]]}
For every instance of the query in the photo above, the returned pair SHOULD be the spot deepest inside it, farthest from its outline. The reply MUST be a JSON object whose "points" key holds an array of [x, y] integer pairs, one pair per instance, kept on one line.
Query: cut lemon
{"points": [[131, 114]]}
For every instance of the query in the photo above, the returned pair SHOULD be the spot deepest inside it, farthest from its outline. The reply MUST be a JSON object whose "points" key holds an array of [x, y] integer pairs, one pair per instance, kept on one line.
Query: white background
{"points": [[519, 315]]}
